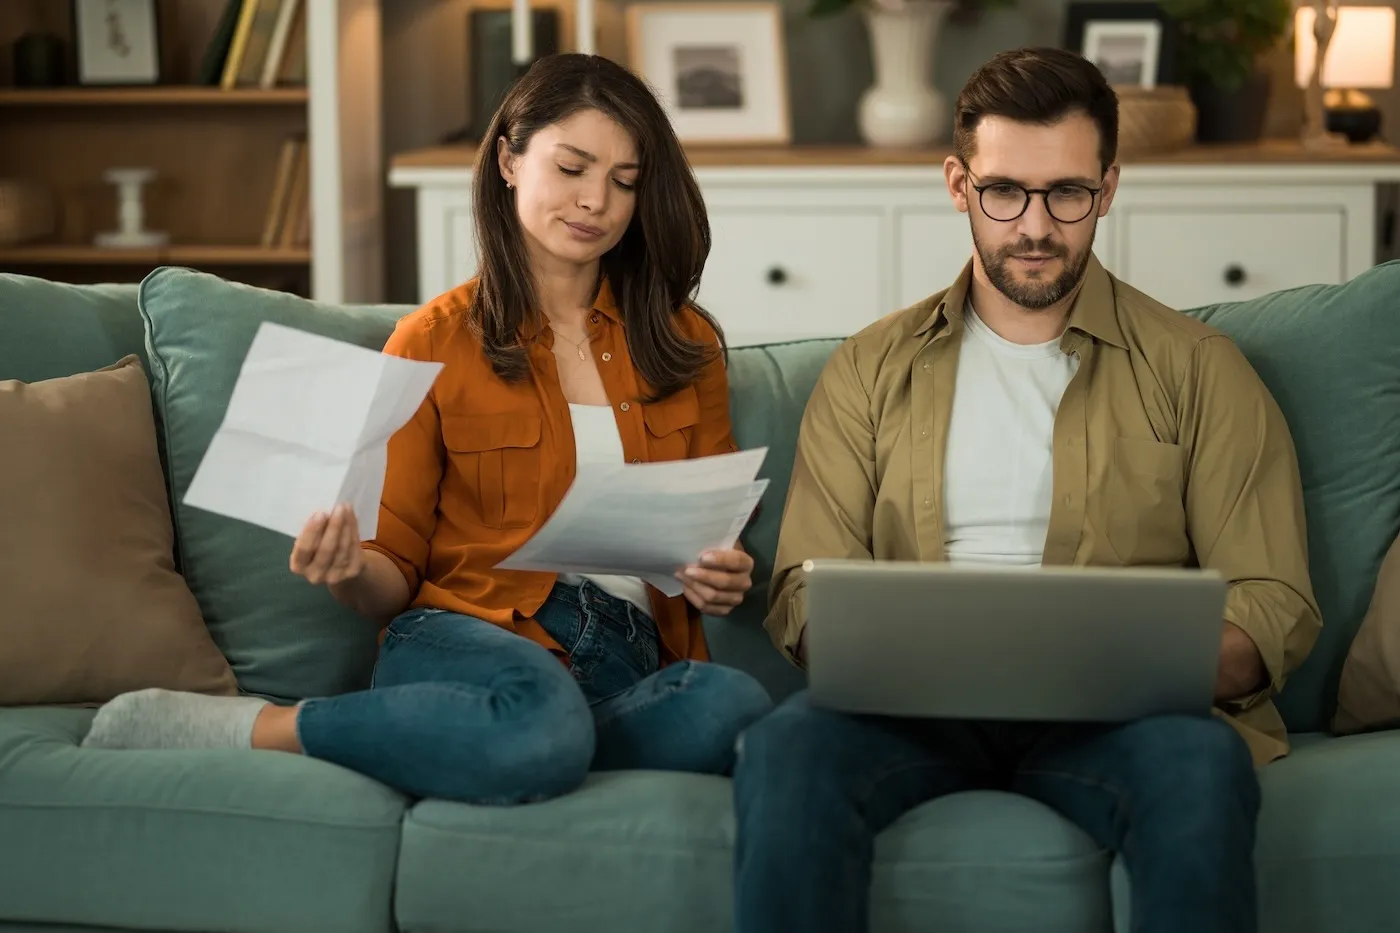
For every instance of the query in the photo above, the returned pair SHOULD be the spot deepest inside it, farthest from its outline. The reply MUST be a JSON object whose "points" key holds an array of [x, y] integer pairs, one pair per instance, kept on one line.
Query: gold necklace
{"points": [[577, 346]]}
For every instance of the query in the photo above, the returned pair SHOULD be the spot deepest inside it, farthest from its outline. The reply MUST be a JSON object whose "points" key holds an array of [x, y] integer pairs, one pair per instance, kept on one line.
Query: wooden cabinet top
{"points": [[1281, 152]]}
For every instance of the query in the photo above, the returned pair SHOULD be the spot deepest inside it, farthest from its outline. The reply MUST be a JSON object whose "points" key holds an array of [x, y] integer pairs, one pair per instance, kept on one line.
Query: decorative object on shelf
{"points": [[118, 41], [39, 60], [1223, 43], [903, 108], [720, 69], [491, 65], [1134, 44], [1338, 52], [27, 211], [1152, 121], [131, 212], [491, 68]]}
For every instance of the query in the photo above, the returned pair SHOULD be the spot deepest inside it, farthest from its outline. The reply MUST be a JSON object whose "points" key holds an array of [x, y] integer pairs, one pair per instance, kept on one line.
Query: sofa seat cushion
{"points": [[1328, 853], [652, 851], [236, 841]]}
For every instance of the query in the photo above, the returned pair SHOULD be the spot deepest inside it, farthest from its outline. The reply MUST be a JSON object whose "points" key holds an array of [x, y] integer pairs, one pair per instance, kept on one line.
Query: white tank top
{"points": [[596, 440]]}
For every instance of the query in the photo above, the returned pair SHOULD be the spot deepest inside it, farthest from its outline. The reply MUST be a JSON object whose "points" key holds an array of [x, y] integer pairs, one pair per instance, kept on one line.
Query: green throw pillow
{"points": [[50, 329], [284, 638], [1330, 354]]}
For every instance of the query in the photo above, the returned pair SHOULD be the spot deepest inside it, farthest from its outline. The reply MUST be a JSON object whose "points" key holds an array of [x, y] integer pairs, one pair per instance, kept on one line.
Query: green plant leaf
{"points": [[1222, 41]]}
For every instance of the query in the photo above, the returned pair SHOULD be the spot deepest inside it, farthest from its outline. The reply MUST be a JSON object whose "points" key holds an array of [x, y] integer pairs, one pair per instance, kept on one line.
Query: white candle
{"points": [[521, 35], [583, 17]]}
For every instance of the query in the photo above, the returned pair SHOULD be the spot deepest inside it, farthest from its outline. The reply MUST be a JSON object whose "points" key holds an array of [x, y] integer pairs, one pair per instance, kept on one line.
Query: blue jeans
{"points": [[465, 710], [1176, 796]]}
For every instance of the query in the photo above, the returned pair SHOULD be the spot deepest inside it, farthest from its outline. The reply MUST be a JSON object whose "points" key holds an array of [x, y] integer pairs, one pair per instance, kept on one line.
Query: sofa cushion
{"points": [[1328, 849], [90, 602], [768, 390], [49, 329], [652, 851], [1369, 694], [239, 841], [1330, 354], [284, 638]]}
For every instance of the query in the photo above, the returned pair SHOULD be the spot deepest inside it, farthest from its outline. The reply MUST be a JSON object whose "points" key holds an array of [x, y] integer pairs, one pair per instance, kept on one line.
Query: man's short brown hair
{"points": [[1037, 85]]}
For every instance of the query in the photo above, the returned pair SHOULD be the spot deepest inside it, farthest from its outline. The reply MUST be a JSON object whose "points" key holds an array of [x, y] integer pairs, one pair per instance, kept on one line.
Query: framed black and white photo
{"points": [[1133, 43], [117, 41], [1126, 52], [720, 69]]}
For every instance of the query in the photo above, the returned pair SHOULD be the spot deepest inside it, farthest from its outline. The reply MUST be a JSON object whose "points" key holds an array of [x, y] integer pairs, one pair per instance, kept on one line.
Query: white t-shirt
{"points": [[596, 440], [998, 471]]}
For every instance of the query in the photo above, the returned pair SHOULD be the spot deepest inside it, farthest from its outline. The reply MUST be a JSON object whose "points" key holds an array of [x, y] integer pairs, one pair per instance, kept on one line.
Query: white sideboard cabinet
{"points": [[820, 242]]}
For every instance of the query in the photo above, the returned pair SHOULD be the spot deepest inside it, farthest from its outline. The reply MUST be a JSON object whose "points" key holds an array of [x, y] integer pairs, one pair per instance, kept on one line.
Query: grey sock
{"points": [[168, 719]]}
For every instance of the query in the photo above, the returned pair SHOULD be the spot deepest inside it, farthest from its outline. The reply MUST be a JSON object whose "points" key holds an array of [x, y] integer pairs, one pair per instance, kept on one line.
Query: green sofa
{"points": [[263, 842]]}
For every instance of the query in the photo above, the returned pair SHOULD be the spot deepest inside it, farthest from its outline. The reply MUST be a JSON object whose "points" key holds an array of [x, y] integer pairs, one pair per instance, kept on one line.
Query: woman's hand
{"points": [[718, 582], [328, 548]]}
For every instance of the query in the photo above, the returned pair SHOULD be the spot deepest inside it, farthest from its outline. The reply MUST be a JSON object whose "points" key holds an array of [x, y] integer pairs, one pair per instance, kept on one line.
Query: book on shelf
{"points": [[288, 219], [257, 44]]}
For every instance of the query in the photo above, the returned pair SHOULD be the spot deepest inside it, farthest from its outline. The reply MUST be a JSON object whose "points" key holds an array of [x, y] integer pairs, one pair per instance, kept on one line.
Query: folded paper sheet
{"points": [[307, 427], [646, 520]]}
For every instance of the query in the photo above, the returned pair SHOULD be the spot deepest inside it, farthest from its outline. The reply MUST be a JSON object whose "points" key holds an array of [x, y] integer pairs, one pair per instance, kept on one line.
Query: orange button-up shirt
{"points": [[484, 462]]}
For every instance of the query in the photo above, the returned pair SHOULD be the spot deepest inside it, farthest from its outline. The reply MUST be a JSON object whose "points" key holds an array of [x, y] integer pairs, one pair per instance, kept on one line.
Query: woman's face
{"points": [[573, 187]]}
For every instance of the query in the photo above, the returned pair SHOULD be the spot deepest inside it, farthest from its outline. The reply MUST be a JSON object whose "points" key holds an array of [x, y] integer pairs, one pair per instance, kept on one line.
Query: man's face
{"points": [[1035, 259]]}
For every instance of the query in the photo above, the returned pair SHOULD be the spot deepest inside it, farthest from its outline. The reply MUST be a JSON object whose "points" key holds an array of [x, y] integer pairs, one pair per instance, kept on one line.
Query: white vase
{"points": [[903, 108]]}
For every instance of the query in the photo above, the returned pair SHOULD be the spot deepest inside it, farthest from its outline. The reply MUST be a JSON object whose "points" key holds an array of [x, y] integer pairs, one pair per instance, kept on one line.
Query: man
{"points": [[1038, 411]]}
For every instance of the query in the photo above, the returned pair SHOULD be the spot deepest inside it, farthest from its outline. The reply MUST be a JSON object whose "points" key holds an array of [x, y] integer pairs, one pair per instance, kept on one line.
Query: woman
{"points": [[575, 342]]}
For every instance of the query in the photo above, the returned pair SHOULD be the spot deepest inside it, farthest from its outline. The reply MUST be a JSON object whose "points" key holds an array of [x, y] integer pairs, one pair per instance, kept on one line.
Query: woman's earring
{"points": [[509, 185]]}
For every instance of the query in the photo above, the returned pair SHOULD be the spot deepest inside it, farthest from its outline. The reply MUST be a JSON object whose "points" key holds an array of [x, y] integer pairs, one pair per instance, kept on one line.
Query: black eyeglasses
{"points": [[1006, 201]]}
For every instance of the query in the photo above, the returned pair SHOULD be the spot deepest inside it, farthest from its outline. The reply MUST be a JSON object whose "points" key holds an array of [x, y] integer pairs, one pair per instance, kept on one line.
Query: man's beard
{"points": [[1033, 295]]}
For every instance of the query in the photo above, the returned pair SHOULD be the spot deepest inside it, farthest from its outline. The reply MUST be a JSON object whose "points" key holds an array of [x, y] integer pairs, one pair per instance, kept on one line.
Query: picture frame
{"points": [[1134, 43], [117, 42], [719, 69]]}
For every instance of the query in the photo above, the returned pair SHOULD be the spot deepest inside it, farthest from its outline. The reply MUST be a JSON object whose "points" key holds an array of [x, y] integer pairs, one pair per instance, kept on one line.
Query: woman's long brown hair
{"points": [[654, 270]]}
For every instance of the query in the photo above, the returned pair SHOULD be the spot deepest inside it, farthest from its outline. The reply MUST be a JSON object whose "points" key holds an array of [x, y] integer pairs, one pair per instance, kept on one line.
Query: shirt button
{"points": [[923, 432], [606, 357], [1069, 499], [625, 406], [926, 367], [927, 503]]}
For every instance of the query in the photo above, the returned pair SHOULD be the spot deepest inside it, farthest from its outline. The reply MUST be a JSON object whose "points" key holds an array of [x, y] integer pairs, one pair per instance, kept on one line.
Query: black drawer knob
{"points": [[777, 275], [1234, 275]]}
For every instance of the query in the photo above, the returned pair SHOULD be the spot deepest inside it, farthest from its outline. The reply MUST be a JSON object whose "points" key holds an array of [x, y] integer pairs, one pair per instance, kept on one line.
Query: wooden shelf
{"points": [[1266, 152], [158, 96], [179, 255]]}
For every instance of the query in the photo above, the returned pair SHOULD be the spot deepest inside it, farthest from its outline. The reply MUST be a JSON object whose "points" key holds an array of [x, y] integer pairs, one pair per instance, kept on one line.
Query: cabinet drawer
{"points": [[790, 273], [1191, 256]]}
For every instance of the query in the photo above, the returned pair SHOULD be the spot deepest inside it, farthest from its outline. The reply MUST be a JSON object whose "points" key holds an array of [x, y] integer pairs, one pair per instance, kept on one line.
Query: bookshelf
{"points": [[219, 150]]}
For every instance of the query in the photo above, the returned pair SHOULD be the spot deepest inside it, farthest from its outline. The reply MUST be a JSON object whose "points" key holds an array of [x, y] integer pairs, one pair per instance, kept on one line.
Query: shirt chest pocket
{"points": [[671, 424], [493, 469], [1145, 518]]}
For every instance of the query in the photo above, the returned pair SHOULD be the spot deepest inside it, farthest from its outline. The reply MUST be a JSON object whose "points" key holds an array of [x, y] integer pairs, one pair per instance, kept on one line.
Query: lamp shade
{"points": [[1360, 55]]}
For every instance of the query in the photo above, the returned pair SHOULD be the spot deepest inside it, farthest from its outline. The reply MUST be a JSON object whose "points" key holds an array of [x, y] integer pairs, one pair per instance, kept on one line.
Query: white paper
{"points": [[307, 428], [647, 520]]}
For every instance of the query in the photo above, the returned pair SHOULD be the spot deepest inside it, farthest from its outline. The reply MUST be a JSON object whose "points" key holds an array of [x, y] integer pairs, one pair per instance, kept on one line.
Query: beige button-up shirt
{"points": [[1168, 450]]}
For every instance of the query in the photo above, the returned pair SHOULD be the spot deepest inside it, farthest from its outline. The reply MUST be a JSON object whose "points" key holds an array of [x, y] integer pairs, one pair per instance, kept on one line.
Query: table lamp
{"points": [[1358, 54]]}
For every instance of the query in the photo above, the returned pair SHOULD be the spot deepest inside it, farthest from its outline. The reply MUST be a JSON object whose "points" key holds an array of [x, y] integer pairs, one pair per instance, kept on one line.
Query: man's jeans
{"points": [[465, 710], [1176, 796]]}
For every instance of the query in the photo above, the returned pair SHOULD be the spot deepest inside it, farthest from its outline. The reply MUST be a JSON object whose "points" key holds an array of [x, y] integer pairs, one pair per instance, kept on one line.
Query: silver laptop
{"points": [[1060, 644]]}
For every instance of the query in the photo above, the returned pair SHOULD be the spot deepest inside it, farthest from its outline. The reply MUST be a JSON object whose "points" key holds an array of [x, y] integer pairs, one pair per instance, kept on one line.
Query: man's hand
{"points": [[718, 583], [1241, 671]]}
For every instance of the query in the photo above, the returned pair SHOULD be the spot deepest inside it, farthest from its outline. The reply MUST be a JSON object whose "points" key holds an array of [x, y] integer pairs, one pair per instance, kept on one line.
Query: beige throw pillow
{"points": [[1369, 695], [90, 602]]}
